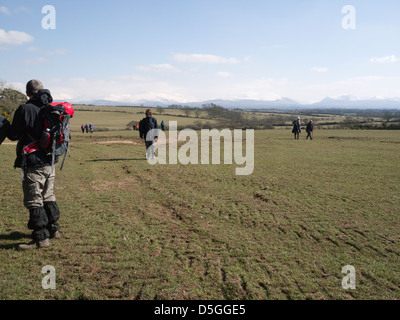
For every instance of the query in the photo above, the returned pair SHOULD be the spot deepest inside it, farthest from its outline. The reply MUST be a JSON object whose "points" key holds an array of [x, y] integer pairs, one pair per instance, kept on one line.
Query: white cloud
{"points": [[62, 96], [33, 49], [204, 58], [133, 88], [364, 86], [5, 10], [263, 89], [318, 69], [132, 77], [223, 74], [259, 89], [388, 59], [362, 81], [18, 86], [35, 61], [83, 89], [185, 88], [22, 9], [165, 67], [14, 37], [57, 52]]}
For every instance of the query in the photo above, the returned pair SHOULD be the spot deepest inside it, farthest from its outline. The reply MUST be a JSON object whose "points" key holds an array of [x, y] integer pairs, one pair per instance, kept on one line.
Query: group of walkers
{"points": [[37, 166], [87, 128], [297, 129]]}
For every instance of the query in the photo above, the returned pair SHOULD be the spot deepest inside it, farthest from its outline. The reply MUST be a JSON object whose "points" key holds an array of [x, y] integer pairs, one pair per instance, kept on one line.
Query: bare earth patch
{"points": [[126, 142]]}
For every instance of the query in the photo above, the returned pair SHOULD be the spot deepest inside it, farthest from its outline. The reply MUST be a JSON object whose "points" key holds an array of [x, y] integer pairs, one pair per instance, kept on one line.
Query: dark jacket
{"points": [[4, 128], [310, 127], [147, 124], [296, 127], [27, 127]]}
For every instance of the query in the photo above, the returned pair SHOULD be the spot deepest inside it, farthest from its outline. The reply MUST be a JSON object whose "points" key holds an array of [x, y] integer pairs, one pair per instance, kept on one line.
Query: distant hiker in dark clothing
{"points": [[83, 128], [310, 129], [91, 128], [36, 165], [87, 128], [297, 128], [4, 128], [163, 125], [148, 131]]}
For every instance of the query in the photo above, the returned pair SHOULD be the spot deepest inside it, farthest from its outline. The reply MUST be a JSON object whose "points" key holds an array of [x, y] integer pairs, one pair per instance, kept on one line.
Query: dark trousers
{"points": [[43, 221], [149, 144]]}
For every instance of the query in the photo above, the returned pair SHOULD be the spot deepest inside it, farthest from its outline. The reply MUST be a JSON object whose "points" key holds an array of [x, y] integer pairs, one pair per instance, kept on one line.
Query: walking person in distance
{"points": [[310, 130], [148, 131]]}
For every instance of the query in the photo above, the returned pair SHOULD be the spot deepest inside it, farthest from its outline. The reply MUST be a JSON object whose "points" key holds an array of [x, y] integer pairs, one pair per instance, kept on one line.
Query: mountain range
{"points": [[344, 102]]}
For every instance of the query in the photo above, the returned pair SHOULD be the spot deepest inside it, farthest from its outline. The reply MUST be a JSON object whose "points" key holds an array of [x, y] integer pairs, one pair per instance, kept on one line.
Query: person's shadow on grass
{"points": [[115, 160], [12, 236]]}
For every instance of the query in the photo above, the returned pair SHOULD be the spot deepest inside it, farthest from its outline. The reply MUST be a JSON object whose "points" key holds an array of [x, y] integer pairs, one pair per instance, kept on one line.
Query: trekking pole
{"points": [[65, 155]]}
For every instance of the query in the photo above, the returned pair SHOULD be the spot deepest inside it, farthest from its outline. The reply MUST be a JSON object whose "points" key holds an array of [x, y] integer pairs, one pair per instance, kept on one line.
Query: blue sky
{"points": [[193, 50]]}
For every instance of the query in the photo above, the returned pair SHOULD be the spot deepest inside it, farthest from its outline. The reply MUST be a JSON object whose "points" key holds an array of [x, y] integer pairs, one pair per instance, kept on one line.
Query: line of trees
{"points": [[237, 119], [369, 123]]}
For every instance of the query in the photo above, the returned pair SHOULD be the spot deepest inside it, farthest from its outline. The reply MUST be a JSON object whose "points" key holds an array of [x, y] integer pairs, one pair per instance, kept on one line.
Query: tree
{"points": [[160, 110], [351, 123], [213, 110], [197, 112], [387, 115], [10, 99], [187, 111]]}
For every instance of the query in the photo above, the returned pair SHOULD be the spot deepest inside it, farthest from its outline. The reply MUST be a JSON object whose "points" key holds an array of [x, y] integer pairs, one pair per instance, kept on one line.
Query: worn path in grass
{"points": [[135, 231]]}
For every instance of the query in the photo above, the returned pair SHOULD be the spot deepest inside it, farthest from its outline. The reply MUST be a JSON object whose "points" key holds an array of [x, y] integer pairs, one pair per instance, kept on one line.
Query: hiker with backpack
{"points": [[148, 131], [297, 128], [41, 131]]}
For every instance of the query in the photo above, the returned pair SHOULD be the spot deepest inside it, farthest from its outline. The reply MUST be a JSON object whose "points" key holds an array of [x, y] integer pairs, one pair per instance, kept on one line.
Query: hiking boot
{"points": [[44, 243], [55, 235], [34, 245]]}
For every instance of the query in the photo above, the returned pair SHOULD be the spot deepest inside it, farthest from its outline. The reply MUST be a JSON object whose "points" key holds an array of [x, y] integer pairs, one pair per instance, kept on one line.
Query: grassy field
{"points": [[117, 118], [135, 231]]}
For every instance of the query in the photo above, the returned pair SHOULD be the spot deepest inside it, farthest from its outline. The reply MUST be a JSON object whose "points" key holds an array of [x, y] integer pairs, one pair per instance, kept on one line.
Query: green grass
{"points": [[135, 231]]}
